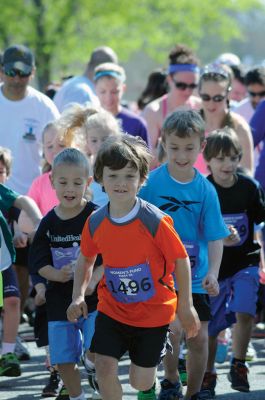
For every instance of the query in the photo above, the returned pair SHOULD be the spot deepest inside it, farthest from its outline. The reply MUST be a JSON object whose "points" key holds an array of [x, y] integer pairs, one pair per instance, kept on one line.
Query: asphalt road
{"points": [[34, 376]]}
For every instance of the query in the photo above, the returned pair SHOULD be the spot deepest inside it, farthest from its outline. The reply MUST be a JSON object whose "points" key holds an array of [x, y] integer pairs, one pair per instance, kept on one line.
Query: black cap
{"points": [[18, 57]]}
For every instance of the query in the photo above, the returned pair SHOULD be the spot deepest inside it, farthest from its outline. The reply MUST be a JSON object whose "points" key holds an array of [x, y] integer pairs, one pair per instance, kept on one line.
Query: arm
{"points": [[150, 114], [30, 207], [215, 252], [257, 124], [186, 312], [82, 276], [40, 294], [57, 275], [246, 140], [97, 274]]}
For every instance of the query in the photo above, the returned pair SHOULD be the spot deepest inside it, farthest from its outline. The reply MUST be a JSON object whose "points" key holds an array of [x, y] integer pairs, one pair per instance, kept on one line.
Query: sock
{"points": [[8, 348], [80, 397]]}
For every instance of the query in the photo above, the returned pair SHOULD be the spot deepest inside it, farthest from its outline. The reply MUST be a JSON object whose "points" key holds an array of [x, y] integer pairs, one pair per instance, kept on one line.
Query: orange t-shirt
{"points": [[138, 257]]}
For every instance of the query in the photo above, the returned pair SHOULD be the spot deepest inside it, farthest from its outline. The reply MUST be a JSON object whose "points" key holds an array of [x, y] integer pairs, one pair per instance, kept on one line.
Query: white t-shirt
{"points": [[245, 109], [76, 90], [21, 126]]}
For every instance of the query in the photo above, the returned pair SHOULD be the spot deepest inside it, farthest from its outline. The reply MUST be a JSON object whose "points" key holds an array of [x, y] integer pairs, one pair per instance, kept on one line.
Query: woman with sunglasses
{"points": [[214, 87], [182, 78]]}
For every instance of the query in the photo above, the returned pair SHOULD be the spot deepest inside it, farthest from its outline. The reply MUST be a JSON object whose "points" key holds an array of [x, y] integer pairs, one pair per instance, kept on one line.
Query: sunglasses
{"points": [[257, 94], [14, 72], [184, 86], [217, 98]]}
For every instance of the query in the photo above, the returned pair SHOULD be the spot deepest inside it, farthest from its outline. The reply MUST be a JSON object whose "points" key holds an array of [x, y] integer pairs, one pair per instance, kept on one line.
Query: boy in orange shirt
{"points": [[140, 251]]}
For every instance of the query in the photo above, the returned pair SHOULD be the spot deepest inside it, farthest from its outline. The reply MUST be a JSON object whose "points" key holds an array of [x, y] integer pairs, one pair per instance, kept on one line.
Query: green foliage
{"points": [[63, 32]]}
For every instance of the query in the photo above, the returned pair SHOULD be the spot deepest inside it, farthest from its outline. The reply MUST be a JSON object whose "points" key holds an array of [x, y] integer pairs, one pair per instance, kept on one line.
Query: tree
{"points": [[62, 33]]}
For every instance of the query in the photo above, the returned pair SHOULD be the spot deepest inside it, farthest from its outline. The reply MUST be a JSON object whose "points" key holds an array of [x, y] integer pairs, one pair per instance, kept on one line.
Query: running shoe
{"points": [[208, 384], [170, 391], [52, 387], [9, 365], [147, 394], [238, 376], [182, 371], [21, 350], [63, 394]]}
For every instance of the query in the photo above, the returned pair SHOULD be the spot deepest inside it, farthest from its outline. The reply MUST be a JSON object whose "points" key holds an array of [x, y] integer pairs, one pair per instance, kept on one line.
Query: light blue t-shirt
{"points": [[195, 210]]}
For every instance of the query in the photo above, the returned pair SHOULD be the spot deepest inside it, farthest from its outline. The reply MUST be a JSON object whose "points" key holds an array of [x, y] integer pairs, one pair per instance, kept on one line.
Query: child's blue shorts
{"points": [[238, 293], [67, 339]]}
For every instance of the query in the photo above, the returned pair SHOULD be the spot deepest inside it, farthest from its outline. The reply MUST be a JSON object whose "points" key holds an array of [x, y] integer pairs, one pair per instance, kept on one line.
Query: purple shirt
{"points": [[133, 124], [257, 124]]}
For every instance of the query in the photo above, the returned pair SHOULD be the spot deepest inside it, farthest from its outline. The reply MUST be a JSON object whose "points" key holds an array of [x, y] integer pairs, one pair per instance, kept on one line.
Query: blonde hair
{"points": [[103, 121], [46, 167], [72, 121], [109, 70], [6, 159]]}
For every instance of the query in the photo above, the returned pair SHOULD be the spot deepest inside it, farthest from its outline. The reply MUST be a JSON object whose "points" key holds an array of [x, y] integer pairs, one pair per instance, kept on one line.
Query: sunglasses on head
{"points": [[217, 98], [184, 86], [256, 94], [14, 72]]}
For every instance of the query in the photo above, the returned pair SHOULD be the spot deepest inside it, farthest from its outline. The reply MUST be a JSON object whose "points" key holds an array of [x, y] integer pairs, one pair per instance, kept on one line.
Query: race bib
{"points": [[130, 284], [240, 222], [193, 253]]}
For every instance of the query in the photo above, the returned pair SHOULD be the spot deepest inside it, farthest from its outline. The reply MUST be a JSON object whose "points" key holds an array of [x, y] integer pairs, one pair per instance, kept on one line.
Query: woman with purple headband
{"points": [[183, 76]]}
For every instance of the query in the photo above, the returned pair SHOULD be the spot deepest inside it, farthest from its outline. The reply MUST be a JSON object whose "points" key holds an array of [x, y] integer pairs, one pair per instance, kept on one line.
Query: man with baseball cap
{"points": [[80, 89], [24, 112]]}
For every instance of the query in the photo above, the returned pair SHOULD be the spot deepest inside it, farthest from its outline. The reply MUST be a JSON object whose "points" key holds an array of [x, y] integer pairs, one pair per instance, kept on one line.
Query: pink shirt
{"points": [[42, 192]]}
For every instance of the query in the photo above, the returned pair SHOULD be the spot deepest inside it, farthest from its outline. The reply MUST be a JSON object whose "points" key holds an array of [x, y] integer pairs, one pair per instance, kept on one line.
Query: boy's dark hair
{"points": [[255, 75], [239, 73], [183, 124], [6, 159], [71, 156], [222, 141], [117, 151]]}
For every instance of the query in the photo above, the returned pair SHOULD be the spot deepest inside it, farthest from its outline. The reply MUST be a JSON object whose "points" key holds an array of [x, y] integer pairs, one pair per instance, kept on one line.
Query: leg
{"points": [[171, 360], [11, 319], [71, 377], [211, 353], [107, 375], [242, 334], [197, 359], [23, 282], [142, 378]]}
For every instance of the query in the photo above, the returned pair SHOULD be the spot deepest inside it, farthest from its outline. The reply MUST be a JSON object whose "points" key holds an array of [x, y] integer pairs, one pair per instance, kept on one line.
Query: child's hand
{"points": [[65, 273], [262, 276], [20, 239], [211, 285], [77, 308], [40, 297], [233, 238], [189, 320]]}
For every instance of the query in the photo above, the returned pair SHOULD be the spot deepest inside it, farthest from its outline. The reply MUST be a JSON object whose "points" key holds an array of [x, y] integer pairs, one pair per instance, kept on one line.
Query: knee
{"points": [[141, 385], [244, 319], [11, 303], [105, 367]]}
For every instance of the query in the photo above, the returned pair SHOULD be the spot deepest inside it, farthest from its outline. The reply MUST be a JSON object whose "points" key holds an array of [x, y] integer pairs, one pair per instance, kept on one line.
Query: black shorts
{"points": [[41, 326], [201, 304], [146, 346], [22, 255], [10, 284]]}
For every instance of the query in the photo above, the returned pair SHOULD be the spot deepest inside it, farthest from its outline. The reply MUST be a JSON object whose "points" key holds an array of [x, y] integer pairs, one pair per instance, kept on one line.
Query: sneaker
{"points": [[21, 350], [95, 395], [9, 365], [251, 353], [91, 375], [238, 376], [52, 387], [208, 385], [182, 371], [203, 395], [170, 391], [63, 394], [147, 394]]}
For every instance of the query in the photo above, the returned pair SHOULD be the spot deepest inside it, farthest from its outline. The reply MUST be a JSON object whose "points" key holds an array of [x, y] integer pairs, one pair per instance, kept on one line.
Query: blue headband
{"points": [[114, 74], [172, 68]]}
